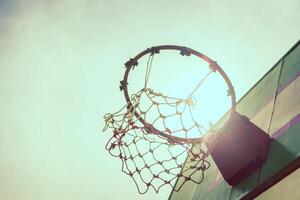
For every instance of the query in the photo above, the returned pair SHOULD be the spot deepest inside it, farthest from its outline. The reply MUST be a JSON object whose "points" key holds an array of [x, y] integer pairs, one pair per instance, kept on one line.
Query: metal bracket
{"points": [[132, 62], [185, 51], [154, 50], [213, 66], [123, 84]]}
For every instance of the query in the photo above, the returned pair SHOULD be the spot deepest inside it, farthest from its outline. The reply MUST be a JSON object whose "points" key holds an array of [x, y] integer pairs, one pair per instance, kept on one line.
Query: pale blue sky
{"points": [[61, 62]]}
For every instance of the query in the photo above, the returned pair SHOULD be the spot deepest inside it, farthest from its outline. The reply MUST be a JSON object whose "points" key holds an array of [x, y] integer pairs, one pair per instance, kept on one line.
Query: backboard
{"points": [[273, 104]]}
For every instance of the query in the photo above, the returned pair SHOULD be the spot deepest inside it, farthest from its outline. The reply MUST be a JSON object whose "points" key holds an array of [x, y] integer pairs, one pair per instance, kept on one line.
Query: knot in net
{"points": [[155, 137]]}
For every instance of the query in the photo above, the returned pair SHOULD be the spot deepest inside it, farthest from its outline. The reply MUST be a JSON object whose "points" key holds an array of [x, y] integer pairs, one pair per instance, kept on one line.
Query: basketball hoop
{"points": [[154, 156]]}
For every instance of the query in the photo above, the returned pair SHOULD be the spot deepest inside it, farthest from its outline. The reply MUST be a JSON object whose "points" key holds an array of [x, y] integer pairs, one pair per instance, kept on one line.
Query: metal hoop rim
{"points": [[184, 51]]}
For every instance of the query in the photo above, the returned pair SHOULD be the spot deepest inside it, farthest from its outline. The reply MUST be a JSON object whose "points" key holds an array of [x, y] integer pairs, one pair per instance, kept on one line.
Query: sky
{"points": [[60, 66]]}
